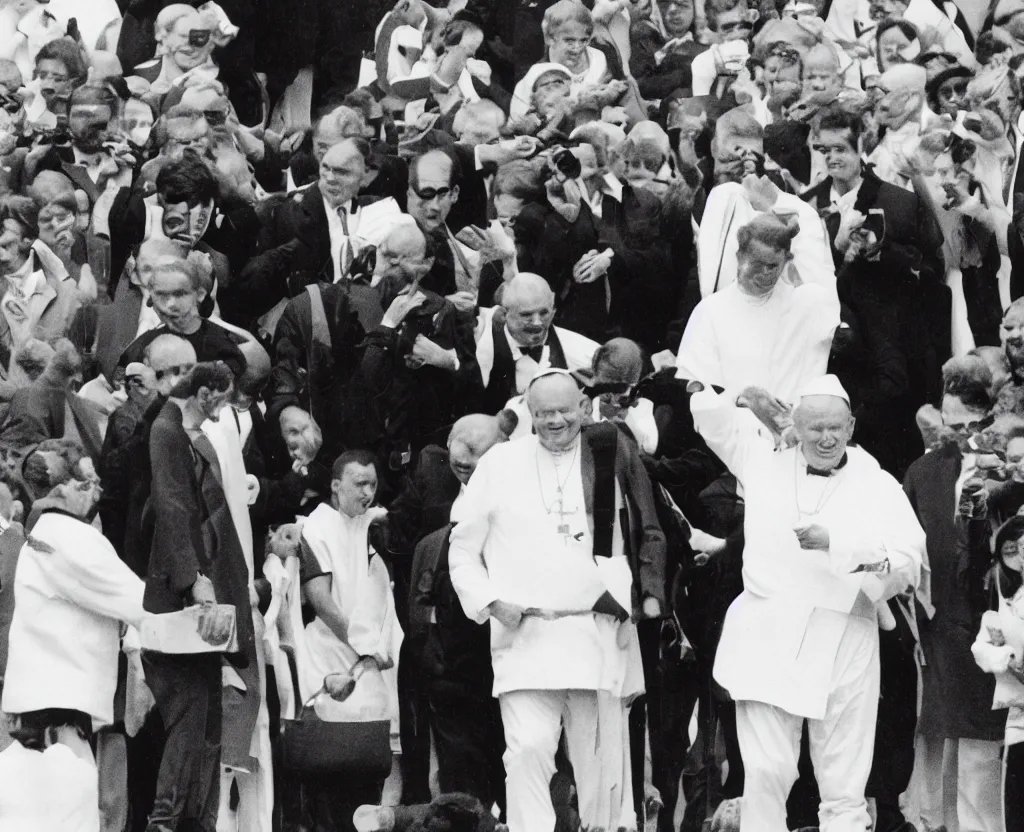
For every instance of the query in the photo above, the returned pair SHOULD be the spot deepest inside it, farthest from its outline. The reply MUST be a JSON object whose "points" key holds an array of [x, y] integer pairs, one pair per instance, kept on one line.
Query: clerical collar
{"points": [[822, 472]]}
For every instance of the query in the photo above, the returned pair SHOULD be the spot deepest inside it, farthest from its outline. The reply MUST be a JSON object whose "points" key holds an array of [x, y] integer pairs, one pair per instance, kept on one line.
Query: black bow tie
{"points": [[822, 472], [534, 352]]}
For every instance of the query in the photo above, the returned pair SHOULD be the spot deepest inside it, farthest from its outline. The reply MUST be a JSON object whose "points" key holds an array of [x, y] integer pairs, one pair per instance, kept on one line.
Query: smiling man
{"points": [[761, 329], [828, 535], [536, 551]]}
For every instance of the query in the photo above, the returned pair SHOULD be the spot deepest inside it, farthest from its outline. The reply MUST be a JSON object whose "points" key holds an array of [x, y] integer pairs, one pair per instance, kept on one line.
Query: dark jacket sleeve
{"points": [[650, 554], [176, 557]]}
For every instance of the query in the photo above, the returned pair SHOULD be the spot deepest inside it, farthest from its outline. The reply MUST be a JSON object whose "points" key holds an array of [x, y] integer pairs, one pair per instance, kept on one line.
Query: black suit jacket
{"points": [[190, 527]]}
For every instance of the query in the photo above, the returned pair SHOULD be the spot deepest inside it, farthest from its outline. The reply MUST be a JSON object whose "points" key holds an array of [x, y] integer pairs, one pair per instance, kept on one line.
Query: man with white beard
{"points": [[537, 549], [829, 535]]}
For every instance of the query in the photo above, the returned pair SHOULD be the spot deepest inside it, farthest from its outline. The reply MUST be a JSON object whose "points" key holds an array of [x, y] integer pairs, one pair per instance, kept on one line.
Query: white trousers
{"points": [[597, 736], [975, 766], [842, 744]]}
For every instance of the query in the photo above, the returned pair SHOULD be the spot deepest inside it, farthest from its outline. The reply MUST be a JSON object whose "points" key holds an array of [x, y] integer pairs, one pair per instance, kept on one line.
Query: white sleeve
{"points": [[987, 656], [94, 578], [698, 358], [733, 433], [894, 535], [466, 564], [640, 420]]}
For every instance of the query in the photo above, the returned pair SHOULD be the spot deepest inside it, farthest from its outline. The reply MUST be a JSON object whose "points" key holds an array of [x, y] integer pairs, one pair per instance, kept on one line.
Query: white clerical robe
{"points": [[361, 589], [728, 210], [66, 631], [781, 635], [781, 343]]}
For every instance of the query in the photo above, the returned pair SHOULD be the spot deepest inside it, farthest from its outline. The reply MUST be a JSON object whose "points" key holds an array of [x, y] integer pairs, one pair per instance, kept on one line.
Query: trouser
{"points": [[975, 767], [112, 768], [144, 752], [1013, 788], [596, 735], [893, 763], [187, 691], [413, 726], [469, 740], [841, 743]]}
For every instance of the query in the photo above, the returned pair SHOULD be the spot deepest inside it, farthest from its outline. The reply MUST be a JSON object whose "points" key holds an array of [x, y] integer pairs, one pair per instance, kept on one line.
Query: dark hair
{"points": [[102, 95], [68, 53], [454, 171], [40, 475], [213, 375], [353, 457], [837, 118], [187, 179], [770, 230], [520, 178], [23, 210], [1009, 580], [714, 8], [969, 379]]}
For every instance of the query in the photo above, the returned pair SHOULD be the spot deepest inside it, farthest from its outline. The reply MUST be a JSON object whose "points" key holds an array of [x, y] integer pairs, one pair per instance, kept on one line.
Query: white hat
{"points": [[827, 385]]}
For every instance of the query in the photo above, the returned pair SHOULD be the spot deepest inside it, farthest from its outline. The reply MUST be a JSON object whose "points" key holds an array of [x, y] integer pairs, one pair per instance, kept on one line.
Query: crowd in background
{"points": [[275, 277]]}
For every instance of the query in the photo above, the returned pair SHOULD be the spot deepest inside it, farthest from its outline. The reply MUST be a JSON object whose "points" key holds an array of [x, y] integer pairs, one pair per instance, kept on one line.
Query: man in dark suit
{"points": [[445, 655], [895, 306], [956, 703], [195, 558]]}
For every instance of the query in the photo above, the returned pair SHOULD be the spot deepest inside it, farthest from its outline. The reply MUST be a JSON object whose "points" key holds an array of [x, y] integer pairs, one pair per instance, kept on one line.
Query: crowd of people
{"points": [[511, 414]]}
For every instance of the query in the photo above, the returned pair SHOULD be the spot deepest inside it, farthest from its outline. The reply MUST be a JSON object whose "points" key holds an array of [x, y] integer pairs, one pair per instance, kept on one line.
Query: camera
{"points": [[566, 163]]}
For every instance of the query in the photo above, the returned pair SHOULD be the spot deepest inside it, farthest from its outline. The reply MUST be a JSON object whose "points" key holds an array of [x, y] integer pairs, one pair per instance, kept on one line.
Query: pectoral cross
{"points": [[563, 526]]}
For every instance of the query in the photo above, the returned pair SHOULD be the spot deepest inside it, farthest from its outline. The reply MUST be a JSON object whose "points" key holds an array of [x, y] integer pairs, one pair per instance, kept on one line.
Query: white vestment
{"points": [[801, 641], [361, 589], [781, 343], [514, 542], [728, 210]]}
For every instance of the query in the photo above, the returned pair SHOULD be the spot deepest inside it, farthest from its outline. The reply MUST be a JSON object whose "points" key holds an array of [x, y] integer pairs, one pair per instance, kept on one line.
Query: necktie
{"points": [[534, 352], [346, 255]]}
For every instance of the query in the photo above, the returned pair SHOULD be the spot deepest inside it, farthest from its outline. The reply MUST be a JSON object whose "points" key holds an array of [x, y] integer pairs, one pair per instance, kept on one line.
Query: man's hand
{"points": [[510, 615], [493, 242], [425, 351], [284, 541], [401, 307], [202, 591], [652, 608], [812, 536], [772, 412], [463, 301], [214, 624], [760, 191], [565, 196], [592, 266]]}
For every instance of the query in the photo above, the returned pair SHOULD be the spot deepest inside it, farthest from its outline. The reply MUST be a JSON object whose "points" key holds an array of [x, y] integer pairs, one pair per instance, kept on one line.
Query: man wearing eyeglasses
{"points": [[949, 497]]}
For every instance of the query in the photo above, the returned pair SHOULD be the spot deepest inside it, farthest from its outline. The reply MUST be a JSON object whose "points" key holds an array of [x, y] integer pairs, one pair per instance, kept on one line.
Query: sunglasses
{"points": [[177, 369], [430, 194]]}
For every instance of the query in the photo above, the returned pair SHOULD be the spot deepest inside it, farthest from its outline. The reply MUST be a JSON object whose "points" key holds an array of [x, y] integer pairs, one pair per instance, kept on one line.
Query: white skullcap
{"points": [[551, 371], [827, 385]]}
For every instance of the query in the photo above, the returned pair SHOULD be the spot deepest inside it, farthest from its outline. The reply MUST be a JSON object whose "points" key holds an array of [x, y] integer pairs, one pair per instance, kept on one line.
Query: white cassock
{"points": [[511, 542], [801, 641], [361, 589], [781, 343], [728, 210]]}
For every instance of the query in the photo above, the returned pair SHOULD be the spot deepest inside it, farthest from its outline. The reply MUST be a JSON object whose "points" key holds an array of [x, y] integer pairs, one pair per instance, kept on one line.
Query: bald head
{"points": [[530, 307], [171, 357], [909, 77], [903, 95], [471, 437], [257, 368]]}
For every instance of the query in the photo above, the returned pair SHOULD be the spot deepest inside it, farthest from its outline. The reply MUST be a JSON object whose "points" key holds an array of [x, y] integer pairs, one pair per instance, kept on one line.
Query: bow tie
{"points": [[821, 472], [534, 352]]}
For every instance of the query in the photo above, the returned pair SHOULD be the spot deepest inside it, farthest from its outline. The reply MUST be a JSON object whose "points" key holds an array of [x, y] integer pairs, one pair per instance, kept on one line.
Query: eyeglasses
{"points": [[430, 194], [55, 219], [176, 370]]}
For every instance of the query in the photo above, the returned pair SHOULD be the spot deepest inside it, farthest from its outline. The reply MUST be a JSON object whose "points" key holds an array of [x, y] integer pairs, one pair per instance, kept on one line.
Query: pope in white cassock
{"points": [[829, 535], [538, 545]]}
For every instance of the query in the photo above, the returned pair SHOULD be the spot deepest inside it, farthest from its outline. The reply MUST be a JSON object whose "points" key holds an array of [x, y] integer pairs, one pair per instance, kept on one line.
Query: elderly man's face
{"points": [[821, 81], [961, 420], [644, 162], [14, 246], [189, 43], [463, 459], [529, 317], [556, 407], [342, 172], [431, 200], [402, 257], [824, 426], [170, 365], [56, 226], [568, 45]]}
